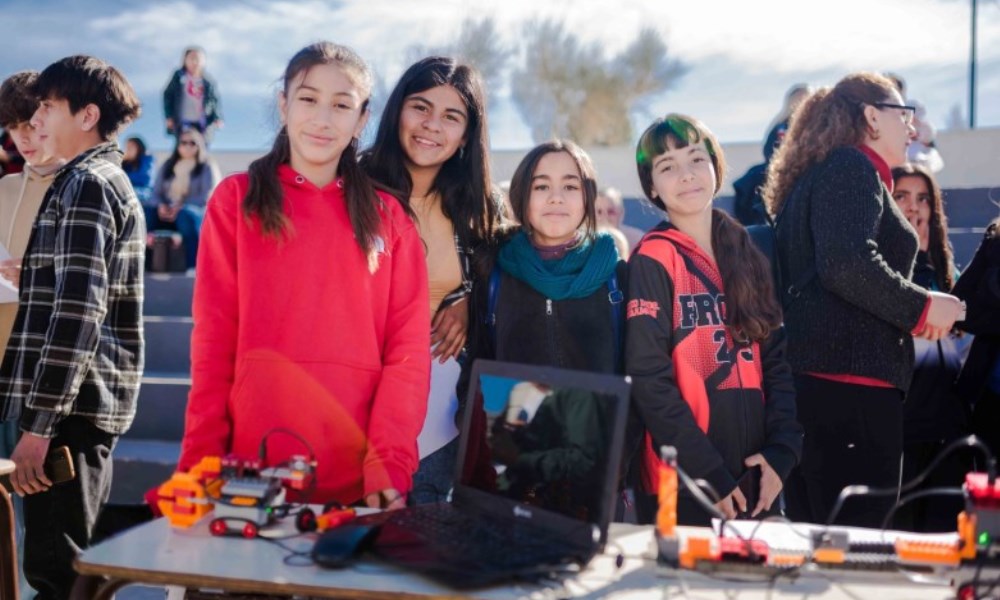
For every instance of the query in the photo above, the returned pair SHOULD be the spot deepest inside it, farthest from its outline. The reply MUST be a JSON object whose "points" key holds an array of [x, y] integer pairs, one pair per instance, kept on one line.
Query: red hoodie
{"points": [[298, 334]]}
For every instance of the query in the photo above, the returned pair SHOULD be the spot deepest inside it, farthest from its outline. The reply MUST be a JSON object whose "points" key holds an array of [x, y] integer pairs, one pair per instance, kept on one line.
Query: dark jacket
{"points": [[748, 205], [77, 345], [576, 335], [979, 287], [560, 453], [856, 316], [140, 174], [173, 95], [694, 387]]}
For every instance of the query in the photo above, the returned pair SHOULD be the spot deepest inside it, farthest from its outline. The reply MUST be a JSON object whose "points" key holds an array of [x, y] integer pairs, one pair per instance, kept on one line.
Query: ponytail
{"points": [[752, 309], [362, 203], [265, 198]]}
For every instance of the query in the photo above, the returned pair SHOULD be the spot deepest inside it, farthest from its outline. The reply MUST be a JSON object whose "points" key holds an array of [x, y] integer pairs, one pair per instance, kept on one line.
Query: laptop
{"points": [[536, 480]]}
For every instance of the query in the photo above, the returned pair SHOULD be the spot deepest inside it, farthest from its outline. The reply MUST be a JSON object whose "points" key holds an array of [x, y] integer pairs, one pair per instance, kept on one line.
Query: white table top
{"points": [[157, 554]]}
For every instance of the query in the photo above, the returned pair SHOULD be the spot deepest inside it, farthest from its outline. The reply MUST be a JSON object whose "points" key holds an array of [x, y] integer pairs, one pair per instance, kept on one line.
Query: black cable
{"points": [[864, 490], [263, 443], [935, 491]]}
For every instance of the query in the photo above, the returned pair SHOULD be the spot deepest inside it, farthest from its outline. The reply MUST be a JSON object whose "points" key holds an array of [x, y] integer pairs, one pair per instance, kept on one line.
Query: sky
{"points": [[741, 55]]}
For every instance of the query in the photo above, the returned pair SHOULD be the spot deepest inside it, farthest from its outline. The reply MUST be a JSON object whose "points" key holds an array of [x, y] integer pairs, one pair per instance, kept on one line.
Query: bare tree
{"points": [[478, 44], [566, 88]]}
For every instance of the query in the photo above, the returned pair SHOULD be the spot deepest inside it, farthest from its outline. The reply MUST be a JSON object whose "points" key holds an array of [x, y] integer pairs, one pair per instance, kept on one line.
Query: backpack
{"points": [[765, 237], [615, 299]]}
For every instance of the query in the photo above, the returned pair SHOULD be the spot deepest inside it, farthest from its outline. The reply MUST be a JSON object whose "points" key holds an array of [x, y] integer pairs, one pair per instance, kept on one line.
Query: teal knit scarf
{"points": [[578, 274]]}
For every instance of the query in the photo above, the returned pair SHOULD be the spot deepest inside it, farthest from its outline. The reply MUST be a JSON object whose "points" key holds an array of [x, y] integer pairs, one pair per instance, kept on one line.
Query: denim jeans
{"points": [[59, 522], [435, 475]]}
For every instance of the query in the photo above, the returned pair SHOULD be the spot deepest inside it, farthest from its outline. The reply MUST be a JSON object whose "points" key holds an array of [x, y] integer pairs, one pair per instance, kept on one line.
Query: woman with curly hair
{"points": [[851, 308]]}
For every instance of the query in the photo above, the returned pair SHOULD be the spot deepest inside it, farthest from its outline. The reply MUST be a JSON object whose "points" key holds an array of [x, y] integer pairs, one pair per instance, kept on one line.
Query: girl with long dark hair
{"points": [[704, 343], [310, 301], [431, 149], [932, 415]]}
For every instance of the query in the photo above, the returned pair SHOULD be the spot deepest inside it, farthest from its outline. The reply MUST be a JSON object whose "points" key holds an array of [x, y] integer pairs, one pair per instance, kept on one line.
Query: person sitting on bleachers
{"points": [[183, 185], [138, 165]]}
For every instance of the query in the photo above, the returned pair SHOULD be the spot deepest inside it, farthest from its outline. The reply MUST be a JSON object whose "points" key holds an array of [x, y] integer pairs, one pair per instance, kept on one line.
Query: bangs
{"points": [[671, 133]]}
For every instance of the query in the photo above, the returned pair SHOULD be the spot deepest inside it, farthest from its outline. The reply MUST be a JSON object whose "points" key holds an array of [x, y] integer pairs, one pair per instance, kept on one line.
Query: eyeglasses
{"points": [[187, 143], [908, 111]]}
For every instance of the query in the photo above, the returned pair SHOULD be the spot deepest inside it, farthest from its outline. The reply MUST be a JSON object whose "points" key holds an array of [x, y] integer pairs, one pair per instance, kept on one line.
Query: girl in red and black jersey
{"points": [[704, 343]]}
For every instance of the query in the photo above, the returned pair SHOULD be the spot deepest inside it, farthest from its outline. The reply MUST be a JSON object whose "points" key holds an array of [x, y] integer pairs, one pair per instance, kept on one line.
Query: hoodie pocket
{"points": [[327, 404]]}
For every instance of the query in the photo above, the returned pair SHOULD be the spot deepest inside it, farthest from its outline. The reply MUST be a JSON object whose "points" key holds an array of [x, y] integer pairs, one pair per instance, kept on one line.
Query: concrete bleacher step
{"points": [[160, 411], [140, 465], [168, 294], [168, 344]]}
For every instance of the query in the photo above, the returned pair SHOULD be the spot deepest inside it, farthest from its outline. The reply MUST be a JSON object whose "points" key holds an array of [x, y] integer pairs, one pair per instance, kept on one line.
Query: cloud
{"points": [[743, 55]]}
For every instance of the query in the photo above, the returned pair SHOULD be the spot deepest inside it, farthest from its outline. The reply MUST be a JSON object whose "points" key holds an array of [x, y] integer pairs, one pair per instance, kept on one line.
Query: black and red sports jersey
{"points": [[695, 387]]}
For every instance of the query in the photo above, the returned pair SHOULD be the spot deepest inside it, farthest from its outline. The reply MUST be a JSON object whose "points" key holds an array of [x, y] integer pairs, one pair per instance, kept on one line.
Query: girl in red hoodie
{"points": [[310, 305]]}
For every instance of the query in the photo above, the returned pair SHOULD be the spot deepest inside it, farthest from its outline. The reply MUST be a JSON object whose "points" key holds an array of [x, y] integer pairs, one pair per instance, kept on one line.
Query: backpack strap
{"points": [[493, 292], [616, 298]]}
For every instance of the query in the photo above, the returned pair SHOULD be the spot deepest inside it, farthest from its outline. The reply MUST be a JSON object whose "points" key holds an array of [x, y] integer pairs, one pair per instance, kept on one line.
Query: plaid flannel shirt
{"points": [[77, 344]]}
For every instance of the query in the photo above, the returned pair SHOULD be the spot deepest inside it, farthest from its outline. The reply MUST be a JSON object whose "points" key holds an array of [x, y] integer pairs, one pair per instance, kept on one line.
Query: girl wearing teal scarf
{"points": [[559, 300], [581, 271]]}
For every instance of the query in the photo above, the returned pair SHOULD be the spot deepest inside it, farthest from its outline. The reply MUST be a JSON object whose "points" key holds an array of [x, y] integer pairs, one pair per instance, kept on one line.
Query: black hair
{"points": [[85, 80], [464, 180], [17, 100], [265, 197]]}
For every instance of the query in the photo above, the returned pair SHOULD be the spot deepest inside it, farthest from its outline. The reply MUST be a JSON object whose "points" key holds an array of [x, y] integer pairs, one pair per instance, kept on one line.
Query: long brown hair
{"points": [[752, 309], [265, 197], [829, 119], [938, 246]]}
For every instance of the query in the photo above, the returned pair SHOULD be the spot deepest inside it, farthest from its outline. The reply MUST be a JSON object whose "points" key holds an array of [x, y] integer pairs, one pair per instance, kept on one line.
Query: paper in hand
{"points": [[8, 291]]}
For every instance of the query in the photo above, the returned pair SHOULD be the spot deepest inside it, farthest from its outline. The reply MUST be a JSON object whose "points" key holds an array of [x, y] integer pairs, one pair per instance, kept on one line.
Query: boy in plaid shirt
{"points": [[70, 374]]}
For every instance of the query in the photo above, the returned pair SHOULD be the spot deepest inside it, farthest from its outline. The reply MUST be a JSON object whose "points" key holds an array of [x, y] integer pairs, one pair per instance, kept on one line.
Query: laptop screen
{"points": [[546, 438]]}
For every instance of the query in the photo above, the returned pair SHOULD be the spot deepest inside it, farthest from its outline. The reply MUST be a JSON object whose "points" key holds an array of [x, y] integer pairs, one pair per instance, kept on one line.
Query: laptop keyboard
{"points": [[461, 538]]}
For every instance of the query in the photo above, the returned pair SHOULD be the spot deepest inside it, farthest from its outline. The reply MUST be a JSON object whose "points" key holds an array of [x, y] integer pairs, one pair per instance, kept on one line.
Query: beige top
{"points": [[444, 272], [21, 196]]}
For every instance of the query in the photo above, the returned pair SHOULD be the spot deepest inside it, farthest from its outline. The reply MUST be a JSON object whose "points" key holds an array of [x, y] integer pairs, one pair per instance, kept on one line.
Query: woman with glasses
{"points": [[181, 191], [846, 254]]}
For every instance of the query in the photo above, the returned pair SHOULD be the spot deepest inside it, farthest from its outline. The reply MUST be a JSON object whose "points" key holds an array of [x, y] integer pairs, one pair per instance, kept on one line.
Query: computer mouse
{"points": [[338, 547]]}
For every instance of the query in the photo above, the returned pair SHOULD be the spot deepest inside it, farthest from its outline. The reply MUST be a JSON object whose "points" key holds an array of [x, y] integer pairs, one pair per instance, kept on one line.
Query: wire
{"points": [[288, 432], [864, 490], [935, 491]]}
